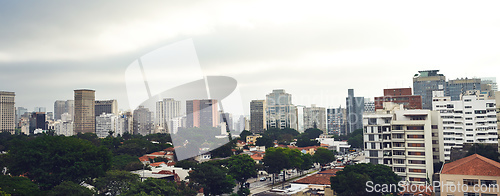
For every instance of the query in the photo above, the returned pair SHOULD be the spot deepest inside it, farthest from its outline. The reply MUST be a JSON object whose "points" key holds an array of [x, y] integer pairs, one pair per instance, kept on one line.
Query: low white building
{"points": [[339, 146]]}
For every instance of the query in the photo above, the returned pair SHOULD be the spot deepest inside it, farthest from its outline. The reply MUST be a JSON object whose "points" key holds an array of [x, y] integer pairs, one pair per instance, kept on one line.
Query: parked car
{"points": [[263, 179]]}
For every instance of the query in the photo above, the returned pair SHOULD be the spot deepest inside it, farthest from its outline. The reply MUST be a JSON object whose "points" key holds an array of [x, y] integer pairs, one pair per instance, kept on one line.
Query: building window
{"points": [[416, 153], [399, 169], [471, 182], [415, 128], [416, 145], [416, 161], [415, 136], [417, 170], [488, 182], [417, 179]]}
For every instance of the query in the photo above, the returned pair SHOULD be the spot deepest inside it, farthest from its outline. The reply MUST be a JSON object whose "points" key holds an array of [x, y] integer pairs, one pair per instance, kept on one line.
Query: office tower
{"points": [[336, 118], [70, 108], [202, 113], [354, 111], [369, 106], [106, 107], [143, 121], [281, 113], [7, 111], [456, 88], [37, 121], [314, 117], [59, 108], [408, 141], [401, 96], [166, 110], [227, 119], [20, 111], [425, 82], [258, 116], [491, 81], [84, 120], [106, 123], [470, 120]]}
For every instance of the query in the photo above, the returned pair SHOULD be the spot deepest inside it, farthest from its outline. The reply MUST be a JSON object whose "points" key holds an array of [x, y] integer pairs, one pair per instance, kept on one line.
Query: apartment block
{"points": [[281, 113], [202, 113], [336, 118], [472, 119], [105, 123], [166, 110], [408, 141], [7, 111], [258, 116], [315, 117]]}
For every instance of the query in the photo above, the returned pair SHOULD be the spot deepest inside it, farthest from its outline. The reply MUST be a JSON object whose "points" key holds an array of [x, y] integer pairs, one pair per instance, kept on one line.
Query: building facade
{"points": [[258, 116], [425, 82], [315, 117], [84, 120], [106, 107], [354, 111], [142, 121], [166, 110], [402, 96], [408, 141], [471, 119], [336, 118], [202, 113], [106, 123], [456, 88], [7, 111], [281, 113]]}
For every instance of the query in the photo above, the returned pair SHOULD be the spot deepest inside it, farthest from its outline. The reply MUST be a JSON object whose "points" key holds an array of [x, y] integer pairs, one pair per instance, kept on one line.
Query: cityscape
{"points": [[249, 98]]}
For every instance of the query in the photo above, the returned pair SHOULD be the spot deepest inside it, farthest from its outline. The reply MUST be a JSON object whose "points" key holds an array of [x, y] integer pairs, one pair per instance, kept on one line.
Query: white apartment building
{"points": [[408, 141], [280, 111], [104, 124], [166, 110], [472, 119]]}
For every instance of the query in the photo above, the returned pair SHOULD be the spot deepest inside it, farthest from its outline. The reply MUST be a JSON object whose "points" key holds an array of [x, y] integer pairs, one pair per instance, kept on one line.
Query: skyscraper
{"points": [[166, 110], [106, 107], [354, 111], [336, 118], [20, 111], [425, 82], [314, 117], [142, 121], [202, 113], [7, 111], [59, 108], [258, 116], [455, 88], [280, 113], [84, 111]]}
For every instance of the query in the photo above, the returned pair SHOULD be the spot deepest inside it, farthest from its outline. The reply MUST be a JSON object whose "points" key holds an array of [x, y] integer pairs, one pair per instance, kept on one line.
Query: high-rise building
{"points": [[64, 126], [84, 120], [425, 82], [106, 107], [202, 113], [400, 96], [70, 109], [470, 120], [20, 111], [106, 123], [314, 117], [37, 121], [354, 111], [7, 111], [40, 109], [59, 109], [166, 110], [336, 118], [227, 119], [143, 121], [408, 141], [281, 113], [456, 88], [258, 116], [369, 106]]}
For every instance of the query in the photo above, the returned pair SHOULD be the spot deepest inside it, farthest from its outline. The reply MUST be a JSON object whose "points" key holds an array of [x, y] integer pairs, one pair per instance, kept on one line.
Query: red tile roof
{"points": [[170, 163], [158, 153], [171, 149], [156, 164], [329, 171], [475, 165], [322, 179]]}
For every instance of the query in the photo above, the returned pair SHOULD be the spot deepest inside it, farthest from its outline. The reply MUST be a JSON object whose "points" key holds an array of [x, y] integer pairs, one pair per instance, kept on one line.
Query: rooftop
{"points": [[474, 165]]}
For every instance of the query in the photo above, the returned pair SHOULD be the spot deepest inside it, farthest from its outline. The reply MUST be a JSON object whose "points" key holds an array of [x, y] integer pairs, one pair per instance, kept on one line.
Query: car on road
{"points": [[263, 179]]}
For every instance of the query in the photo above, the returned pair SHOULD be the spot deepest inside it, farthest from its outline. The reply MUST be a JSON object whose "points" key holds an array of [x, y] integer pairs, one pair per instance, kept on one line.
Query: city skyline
{"points": [[314, 51]]}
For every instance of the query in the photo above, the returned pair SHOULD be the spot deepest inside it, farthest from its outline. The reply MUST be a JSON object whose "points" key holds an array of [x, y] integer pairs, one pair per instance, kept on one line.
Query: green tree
{"points": [[50, 160], [223, 151], [126, 162], [312, 133], [158, 187], [244, 134], [356, 141], [307, 162], [70, 188], [323, 156], [18, 185], [115, 182], [488, 151], [264, 141], [186, 164], [241, 168], [212, 178], [352, 179], [304, 141]]}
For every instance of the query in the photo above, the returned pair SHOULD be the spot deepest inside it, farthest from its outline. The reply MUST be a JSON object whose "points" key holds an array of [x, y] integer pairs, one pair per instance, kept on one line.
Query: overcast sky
{"points": [[314, 50]]}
